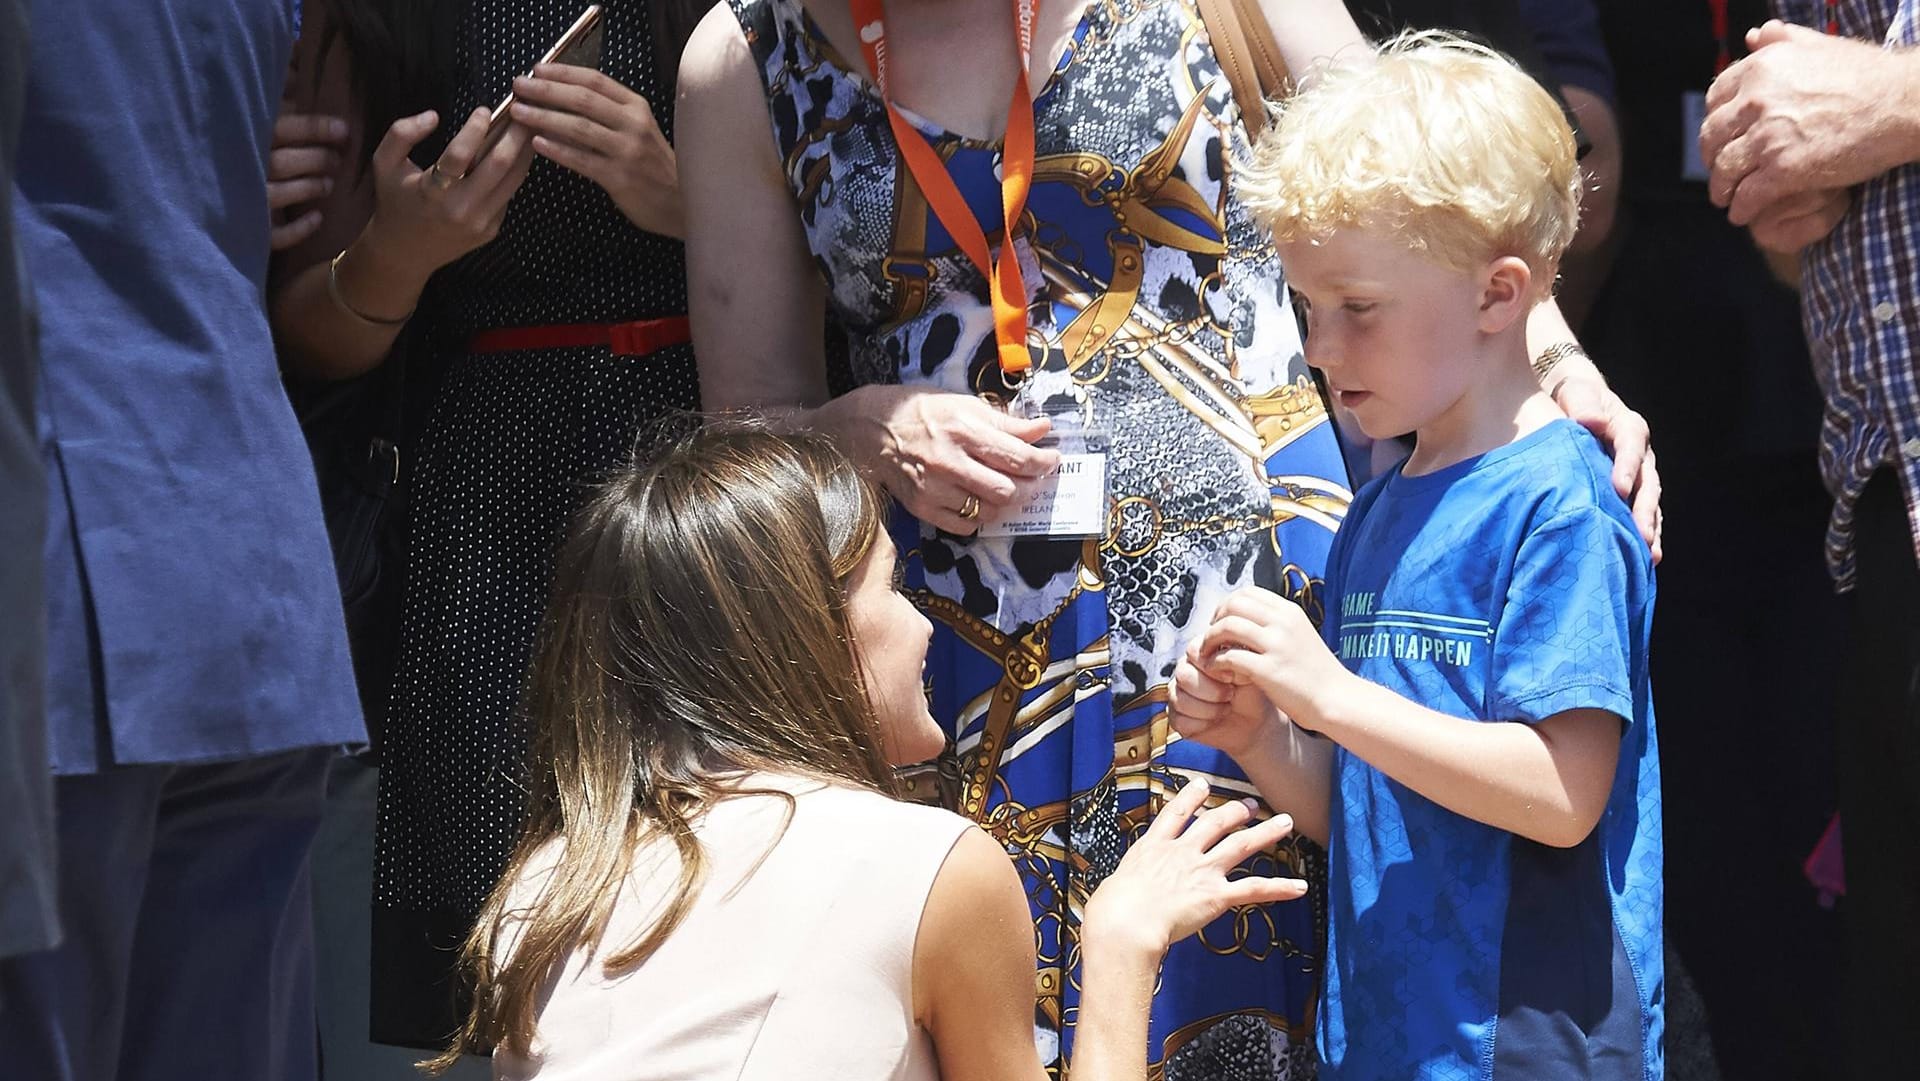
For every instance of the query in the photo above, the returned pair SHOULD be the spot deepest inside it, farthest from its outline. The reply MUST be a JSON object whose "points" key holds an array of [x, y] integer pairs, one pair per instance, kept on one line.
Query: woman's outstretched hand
{"points": [[1179, 876]]}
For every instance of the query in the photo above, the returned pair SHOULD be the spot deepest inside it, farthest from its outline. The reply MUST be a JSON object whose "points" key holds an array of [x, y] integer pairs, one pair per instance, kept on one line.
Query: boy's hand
{"points": [[1235, 718], [1263, 640]]}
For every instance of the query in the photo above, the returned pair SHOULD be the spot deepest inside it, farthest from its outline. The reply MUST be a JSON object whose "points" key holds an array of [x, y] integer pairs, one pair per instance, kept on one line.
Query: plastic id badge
{"points": [[1071, 501]]}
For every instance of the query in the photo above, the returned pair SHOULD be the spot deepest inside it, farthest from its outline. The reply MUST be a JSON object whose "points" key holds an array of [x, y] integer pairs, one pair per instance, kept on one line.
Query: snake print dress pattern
{"points": [[1154, 292]]}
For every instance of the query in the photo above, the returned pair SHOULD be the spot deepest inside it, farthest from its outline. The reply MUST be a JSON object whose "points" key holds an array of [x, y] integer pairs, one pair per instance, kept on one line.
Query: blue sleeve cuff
{"points": [[1537, 706]]}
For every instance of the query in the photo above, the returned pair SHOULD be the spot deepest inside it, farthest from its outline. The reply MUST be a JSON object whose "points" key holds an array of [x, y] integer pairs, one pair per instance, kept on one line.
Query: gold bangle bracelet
{"points": [[1552, 355], [333, 290]]}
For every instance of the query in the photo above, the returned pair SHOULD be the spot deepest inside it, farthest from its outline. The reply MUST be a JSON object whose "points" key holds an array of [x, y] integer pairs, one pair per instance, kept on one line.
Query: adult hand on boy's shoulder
{"points": [[1263, 640]]}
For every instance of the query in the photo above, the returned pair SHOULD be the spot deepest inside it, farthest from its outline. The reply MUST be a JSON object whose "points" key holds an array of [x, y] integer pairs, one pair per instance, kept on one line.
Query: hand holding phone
{"points": [[581, 46], [591, 124], [424, 219]]}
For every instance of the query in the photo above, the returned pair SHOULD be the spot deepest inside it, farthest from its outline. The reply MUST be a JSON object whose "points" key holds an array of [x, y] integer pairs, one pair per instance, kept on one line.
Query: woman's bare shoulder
{"points": [[717, 55]]}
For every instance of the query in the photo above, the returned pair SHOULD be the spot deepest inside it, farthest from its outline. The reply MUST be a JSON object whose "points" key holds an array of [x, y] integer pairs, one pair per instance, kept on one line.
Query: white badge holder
{"points": [[1070, 502]]}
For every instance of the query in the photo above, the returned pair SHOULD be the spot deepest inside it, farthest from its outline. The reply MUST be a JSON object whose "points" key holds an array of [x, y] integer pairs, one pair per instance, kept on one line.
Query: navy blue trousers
{"points": [[186, 905]]}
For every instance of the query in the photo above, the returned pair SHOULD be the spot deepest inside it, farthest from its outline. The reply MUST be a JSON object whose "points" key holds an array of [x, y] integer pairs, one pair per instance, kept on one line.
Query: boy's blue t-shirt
{"points": [[1508, 587]]}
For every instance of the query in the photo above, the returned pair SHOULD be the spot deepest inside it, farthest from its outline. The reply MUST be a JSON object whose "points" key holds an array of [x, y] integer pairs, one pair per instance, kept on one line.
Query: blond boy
{"points": [[1473, 736]]}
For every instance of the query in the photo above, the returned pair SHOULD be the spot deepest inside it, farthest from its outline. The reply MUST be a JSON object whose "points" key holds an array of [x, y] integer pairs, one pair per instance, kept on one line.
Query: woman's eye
{"points": [[1359, 307]]}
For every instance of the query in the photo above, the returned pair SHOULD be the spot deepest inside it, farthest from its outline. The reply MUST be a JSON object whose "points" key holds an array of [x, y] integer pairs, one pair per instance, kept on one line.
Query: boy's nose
{"points": [[1322, 350]]}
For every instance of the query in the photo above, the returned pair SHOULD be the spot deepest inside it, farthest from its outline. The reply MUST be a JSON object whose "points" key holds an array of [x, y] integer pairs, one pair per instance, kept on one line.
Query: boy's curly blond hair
{"points": [[1439, 141]]}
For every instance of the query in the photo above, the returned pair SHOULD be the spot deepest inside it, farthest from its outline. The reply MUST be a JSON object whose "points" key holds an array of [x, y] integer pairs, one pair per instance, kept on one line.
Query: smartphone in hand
{"points": [[580, 46]]}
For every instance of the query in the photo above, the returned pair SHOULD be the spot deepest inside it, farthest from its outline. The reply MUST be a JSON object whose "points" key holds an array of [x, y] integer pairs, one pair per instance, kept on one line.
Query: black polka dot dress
{"points": [[512, 442]]}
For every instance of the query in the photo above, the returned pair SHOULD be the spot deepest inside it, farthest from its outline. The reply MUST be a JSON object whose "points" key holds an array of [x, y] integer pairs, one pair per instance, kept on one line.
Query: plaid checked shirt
{"points": [[1860, 298]]}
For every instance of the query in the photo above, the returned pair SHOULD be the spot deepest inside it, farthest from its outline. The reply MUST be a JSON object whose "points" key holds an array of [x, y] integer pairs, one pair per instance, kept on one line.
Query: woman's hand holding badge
{"points": [[941, 454], [590, 123]]}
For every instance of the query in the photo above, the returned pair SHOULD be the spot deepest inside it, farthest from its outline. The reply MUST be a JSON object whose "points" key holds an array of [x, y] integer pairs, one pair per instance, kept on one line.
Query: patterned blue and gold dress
{"points": [[1051, 658]]}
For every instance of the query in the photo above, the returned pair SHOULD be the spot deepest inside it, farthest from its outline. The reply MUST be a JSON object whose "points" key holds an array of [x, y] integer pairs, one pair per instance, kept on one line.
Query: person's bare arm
{"points": [[1582, 393], [1546, 781], [973, 965], [313, 340], [316, 337], [391, 224], [1176, 878], [1311, 33], [755, 297], [336, 320]]}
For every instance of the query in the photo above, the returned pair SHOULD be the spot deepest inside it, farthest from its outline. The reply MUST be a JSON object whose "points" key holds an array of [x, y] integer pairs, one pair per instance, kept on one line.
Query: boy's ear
{"points": [[1506, 293]]}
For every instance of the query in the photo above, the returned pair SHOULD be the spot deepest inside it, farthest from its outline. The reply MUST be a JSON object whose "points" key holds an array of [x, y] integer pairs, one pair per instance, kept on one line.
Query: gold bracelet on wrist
{"points": [[333, 290], [1552, 355]]}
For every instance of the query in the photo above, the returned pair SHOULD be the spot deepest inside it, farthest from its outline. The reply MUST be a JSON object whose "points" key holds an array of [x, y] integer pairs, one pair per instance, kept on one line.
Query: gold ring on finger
{"points": [[438, 178], [970, 507]]}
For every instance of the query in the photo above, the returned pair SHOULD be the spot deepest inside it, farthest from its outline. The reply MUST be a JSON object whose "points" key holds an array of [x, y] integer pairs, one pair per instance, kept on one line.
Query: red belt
{"points": [[635, 339]]}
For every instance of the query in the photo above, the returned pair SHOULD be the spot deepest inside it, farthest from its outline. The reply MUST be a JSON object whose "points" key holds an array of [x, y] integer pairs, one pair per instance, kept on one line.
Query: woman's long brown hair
{"points": [[698, 632]]}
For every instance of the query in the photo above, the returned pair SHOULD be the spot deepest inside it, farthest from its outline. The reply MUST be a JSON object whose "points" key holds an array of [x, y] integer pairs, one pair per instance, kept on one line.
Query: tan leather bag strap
{"points": [[1248, 55]]}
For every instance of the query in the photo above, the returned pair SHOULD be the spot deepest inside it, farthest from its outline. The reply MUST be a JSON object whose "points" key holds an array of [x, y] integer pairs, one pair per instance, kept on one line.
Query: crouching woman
{"points": [[716, 882]]}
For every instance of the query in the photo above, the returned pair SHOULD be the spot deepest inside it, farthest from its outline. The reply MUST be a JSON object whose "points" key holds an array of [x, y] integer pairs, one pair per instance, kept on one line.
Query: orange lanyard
{"points": [[1007, 286]]}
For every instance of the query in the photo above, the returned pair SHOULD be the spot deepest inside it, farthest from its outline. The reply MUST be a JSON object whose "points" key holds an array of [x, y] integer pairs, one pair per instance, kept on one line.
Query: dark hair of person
{"points": [[698, 633], [402, 53]]}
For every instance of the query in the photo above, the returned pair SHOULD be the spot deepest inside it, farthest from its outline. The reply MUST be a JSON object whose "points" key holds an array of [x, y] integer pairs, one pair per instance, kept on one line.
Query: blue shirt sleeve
{"points": [[1569, 629]]}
